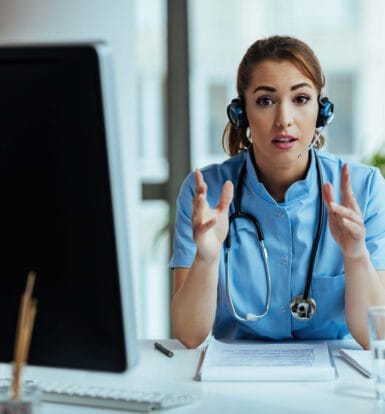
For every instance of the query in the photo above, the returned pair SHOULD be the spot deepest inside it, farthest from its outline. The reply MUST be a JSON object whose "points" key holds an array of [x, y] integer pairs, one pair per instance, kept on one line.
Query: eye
{"points": [[265, 101], [302, 99]]}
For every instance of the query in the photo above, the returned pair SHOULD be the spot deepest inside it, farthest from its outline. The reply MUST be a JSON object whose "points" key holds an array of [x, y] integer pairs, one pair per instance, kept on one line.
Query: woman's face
{"points": [[282, 108]]}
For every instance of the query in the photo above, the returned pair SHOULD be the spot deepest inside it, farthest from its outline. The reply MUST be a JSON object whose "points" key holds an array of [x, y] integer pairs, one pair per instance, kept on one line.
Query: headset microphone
{"points": [[324, 117], [311, 145]]}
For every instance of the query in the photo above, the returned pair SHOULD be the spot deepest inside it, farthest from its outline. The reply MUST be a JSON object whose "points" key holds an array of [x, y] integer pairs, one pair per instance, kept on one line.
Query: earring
{"points": [[316, 138], [248, 135]]}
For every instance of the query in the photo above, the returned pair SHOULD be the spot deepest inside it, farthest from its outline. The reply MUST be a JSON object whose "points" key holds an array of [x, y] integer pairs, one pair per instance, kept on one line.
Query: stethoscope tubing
{"points": [[240, 214], [249, 316]]}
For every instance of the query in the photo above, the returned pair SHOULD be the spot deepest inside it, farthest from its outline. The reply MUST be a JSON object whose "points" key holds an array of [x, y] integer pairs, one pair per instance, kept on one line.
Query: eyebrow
{"points": [[271, 89]]}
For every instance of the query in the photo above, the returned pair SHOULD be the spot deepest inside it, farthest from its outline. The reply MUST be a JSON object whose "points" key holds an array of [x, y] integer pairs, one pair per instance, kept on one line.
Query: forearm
{"points": [[194, 305], [363, 289]]}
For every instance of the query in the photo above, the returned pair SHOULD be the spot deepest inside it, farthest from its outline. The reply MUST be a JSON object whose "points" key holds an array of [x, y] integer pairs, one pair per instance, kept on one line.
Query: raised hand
{"points": [[345, 220], [210, 226]]}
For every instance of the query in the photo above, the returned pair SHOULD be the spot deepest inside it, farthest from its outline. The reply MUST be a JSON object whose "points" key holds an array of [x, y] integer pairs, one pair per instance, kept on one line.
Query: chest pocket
{"points": [[329, 293]]}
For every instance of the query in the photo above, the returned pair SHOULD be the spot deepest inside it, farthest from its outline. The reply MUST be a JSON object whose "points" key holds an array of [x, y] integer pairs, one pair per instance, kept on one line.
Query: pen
{"points": [[163, 350]]}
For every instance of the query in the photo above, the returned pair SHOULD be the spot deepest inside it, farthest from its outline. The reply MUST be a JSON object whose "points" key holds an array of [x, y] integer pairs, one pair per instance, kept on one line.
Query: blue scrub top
{"points": [[289, 229]]}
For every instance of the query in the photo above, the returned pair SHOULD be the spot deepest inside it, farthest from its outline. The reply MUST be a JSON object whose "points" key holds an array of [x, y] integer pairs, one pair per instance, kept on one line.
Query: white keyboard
{"points": [[122, 399]]}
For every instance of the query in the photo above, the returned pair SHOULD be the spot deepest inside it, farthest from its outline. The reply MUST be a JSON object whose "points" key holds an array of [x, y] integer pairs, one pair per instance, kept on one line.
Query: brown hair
{"points": [[273, 48]]}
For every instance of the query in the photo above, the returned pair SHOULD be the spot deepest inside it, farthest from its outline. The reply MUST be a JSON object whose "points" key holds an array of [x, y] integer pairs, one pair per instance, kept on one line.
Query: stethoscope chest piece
{"points": [[303, 309]]}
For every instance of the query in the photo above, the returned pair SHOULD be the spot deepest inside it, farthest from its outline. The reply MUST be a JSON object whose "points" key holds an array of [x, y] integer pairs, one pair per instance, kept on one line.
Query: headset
{"points": [[238, 118]]}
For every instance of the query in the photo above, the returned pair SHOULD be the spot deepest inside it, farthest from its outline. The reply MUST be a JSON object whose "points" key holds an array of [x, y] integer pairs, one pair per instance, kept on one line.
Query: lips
{"points": [[284, 141]]}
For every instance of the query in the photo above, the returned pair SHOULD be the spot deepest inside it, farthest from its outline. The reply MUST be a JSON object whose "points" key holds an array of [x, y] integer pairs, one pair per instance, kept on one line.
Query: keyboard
{"points": [[113, 398]]}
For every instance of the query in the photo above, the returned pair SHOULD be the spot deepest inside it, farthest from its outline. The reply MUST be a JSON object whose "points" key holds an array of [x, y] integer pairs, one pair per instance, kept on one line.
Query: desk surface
{"points": [[350, 393]]}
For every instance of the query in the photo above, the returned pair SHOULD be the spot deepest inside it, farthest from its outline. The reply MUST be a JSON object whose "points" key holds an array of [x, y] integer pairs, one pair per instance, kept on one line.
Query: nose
{"points": [[284, 117]]}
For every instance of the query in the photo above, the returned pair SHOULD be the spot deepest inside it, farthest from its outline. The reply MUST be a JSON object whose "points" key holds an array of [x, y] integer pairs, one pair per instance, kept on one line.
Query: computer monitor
{"points": [[62, 209]]}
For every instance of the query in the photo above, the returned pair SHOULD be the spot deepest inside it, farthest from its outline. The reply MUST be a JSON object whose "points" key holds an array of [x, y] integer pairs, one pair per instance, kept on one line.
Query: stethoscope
{"points": [[303, 306]]}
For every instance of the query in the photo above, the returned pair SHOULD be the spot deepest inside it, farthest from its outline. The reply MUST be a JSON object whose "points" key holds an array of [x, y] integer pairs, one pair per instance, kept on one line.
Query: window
{"points": [[217, 117], [153, 239], [341, 138]]}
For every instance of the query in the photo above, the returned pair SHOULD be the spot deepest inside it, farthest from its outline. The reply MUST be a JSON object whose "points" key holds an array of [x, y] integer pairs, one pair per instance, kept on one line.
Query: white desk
{"points": [[349, 393]]}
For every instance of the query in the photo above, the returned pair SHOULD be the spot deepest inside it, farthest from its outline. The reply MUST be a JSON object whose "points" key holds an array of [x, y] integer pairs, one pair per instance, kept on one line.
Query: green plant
{"points": [[377, 160]]}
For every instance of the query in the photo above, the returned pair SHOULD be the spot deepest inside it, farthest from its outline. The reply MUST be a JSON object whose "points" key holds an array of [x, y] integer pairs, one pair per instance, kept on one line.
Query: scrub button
{"points": [[282, 309], [281, 214], [284, 261]]}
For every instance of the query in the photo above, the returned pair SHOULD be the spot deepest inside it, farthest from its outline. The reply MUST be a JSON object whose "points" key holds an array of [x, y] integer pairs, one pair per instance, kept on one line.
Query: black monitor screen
{"points": [[56, 215]]}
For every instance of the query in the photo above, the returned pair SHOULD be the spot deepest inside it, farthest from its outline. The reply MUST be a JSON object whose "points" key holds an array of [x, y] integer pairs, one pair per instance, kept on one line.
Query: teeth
{"points": [[283, 139]]}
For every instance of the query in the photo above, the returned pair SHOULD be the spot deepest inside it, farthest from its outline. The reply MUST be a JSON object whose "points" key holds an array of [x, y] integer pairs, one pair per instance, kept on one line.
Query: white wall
{"points": [[36, 21]]}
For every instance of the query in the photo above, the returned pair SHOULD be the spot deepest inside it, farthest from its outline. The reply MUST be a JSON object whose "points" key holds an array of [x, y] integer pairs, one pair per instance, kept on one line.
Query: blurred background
{"points": [[175, 68]]}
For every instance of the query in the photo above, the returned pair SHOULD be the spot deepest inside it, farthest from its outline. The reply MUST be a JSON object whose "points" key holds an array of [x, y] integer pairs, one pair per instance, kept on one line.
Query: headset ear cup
{"points": [[237, 114], [325, 112]]}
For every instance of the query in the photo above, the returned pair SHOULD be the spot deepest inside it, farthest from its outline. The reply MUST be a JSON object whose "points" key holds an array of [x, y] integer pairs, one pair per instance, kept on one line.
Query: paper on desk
{"points": [[256, 361], [359, 359]]}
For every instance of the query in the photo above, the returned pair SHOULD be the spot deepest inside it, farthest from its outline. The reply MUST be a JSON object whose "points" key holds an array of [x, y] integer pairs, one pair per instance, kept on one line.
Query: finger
{"points": [[327, 194], [345, 185], [356, 230], [226, 196], [348, 199], [347, 213], [199, 200], [200, 185], [200, 207], [200, 192]]}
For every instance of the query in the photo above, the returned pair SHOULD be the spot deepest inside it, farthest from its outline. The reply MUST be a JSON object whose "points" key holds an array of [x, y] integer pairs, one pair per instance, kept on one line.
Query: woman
{"points": [[323, 268]]}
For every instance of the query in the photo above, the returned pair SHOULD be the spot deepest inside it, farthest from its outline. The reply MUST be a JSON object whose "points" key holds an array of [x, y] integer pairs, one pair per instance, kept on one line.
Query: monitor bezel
{"points": [[113, 143]]}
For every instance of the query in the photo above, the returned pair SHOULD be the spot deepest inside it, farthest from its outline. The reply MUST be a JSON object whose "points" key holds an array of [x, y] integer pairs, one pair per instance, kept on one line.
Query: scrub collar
{"points": [[296, 191]]}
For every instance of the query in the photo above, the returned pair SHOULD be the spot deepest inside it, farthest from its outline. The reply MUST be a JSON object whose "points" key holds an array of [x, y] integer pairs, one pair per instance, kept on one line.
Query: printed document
{"points": [[261, 361]]}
